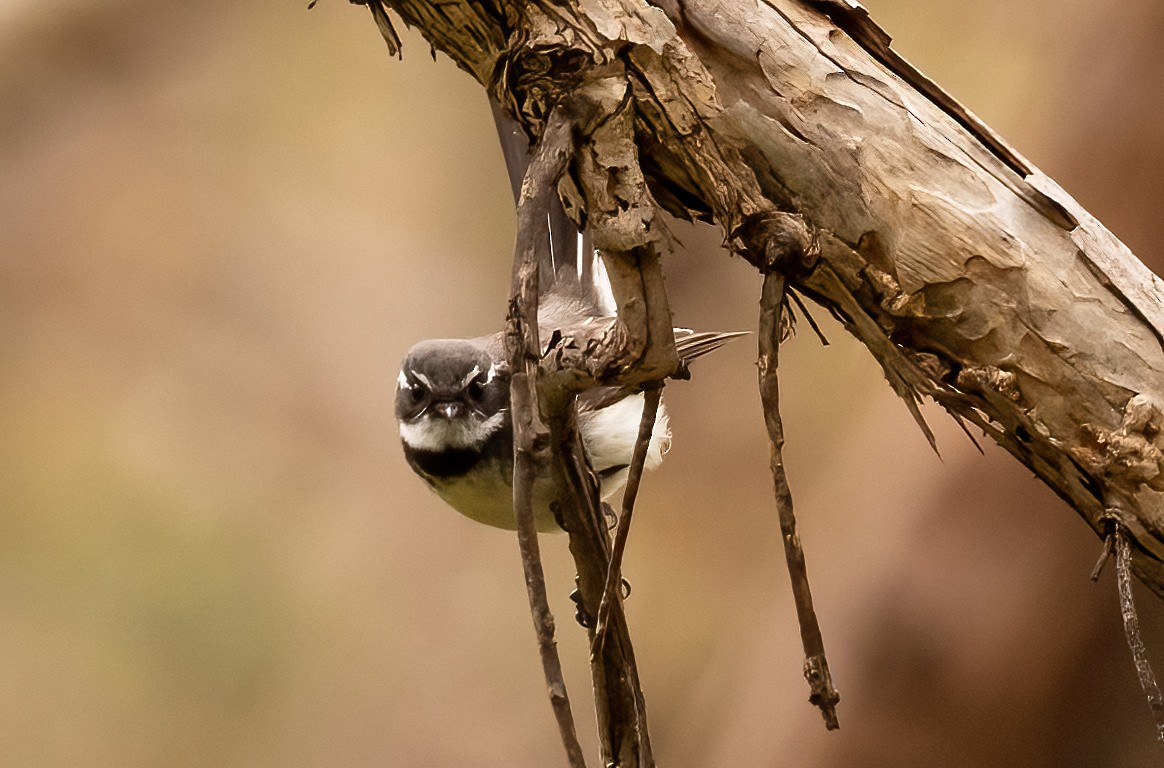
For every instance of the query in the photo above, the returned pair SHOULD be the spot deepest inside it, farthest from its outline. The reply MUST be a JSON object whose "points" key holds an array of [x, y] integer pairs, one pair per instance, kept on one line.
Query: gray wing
{"points": [[688, 343]]}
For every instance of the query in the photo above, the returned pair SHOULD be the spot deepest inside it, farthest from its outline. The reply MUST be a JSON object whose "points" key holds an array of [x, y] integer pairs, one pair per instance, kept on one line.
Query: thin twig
{"points": [[1123, 558], [808, 316], [816, 668], [1104, 556], [611, 592], [530, 435]]}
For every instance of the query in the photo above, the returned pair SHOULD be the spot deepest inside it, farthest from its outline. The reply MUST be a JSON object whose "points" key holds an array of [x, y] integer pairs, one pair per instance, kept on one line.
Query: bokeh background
{"points": [[222, 224]]}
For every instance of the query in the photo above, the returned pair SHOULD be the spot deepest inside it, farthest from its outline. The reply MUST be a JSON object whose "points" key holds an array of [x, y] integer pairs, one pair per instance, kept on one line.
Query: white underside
{"points": [[486, 495], [609, 436]]}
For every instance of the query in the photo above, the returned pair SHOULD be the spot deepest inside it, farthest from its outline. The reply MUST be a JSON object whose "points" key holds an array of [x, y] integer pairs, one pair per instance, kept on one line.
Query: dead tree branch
{"points": [[971, 276], [618, 697]]}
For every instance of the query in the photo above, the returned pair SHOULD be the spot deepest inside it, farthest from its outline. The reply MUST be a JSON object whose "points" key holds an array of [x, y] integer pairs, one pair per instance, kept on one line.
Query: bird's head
{"points": [[450, 395]]}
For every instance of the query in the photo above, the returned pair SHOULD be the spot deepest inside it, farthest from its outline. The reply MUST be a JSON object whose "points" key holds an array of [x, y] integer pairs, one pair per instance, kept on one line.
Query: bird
{"points": [[452, 407], [452, 395]]}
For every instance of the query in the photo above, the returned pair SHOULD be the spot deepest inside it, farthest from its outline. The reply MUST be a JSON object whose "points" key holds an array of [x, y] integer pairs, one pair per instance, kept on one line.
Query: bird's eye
{"points": [[418, 391], [476, 389]]}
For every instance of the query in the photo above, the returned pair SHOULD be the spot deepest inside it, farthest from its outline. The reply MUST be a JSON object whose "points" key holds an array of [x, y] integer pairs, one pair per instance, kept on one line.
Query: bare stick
{"points": [[611, 591], [530, 435], [1123, 553], [816, 668]]}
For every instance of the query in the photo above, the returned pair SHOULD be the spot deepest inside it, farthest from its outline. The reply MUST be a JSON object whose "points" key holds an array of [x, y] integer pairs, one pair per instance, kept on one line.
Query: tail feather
{"points": [[569, 258], [692, 344]]}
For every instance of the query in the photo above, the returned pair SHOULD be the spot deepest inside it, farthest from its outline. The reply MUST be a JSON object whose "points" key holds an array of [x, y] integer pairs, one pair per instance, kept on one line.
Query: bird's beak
{"points": [[450, 410]]}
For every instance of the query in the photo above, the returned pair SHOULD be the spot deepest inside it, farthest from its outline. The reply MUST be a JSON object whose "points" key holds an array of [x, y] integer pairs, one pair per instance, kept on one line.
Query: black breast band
{"points": [[453, 462], [458, 462]]}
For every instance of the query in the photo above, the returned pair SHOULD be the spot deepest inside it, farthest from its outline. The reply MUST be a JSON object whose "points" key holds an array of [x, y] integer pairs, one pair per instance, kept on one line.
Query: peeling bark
{"points": [[972, 277]]}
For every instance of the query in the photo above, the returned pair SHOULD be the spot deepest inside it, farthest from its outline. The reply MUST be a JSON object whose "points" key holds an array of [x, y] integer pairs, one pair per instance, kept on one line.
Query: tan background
{"points": [[221, 225]]}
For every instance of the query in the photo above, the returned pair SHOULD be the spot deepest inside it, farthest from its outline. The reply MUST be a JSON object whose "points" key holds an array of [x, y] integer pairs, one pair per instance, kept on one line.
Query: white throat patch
{"points": [[429, 433]]}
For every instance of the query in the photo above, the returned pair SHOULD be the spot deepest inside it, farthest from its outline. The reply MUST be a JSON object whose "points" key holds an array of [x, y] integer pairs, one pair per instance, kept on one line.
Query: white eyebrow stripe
{"points": [[492, 374], [402, 381], [423, 380], [472, 375]]}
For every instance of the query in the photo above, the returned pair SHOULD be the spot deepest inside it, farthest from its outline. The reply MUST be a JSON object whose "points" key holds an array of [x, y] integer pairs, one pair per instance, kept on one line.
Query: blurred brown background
{"points": [[221, 225]]}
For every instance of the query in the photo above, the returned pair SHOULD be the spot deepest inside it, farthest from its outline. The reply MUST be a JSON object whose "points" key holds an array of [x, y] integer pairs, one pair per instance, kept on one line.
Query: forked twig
{"points": [[530, 435], [816, 668], [611, 592]]}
